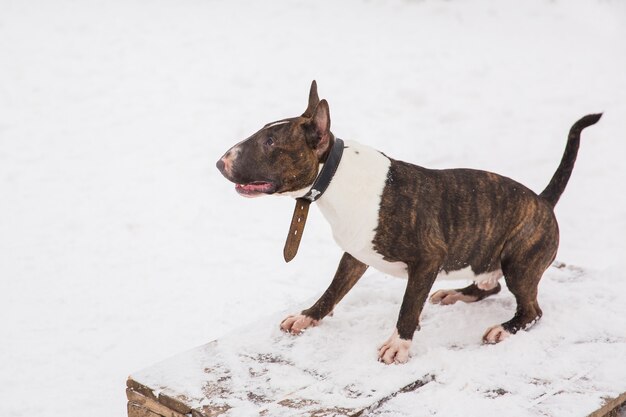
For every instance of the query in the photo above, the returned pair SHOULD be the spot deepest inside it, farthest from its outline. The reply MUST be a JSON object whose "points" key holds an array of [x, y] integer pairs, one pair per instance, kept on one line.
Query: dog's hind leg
{"points": [[522, 272], [469, 294], [524, 288]]}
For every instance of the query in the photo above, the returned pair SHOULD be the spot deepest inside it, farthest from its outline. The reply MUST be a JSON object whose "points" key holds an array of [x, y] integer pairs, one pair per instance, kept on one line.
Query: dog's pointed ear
{"points": [[320, 128], [313, 100]]}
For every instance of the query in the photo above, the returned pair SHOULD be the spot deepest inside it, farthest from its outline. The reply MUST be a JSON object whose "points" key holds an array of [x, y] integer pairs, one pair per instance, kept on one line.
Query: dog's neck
{"points": [[325, 173], [317, 189], [350, 203]]}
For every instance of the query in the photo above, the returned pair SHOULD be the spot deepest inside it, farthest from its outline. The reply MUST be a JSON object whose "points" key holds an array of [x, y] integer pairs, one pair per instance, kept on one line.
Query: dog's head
{"points": [[284, 156]]}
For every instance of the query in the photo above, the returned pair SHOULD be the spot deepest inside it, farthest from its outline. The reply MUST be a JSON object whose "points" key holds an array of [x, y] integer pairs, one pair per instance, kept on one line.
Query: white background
{"points": [[121, 244]]}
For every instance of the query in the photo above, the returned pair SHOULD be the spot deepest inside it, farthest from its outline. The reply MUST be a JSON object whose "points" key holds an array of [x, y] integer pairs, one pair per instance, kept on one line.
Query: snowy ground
{"points": [[566, 366], [121, 244]]}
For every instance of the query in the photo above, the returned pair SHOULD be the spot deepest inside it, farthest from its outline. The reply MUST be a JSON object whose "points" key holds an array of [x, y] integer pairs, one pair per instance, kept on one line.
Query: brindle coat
{"points": [[430, 220]]}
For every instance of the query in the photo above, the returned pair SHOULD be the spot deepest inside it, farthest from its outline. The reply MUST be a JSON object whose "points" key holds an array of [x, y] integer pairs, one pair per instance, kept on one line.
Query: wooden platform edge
{"points": [[611, 407], [141, 406], [142, 402]]}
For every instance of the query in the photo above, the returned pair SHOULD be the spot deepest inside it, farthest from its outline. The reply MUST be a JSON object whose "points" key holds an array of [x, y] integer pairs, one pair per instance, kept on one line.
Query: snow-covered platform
{"points": [[572, 363]]}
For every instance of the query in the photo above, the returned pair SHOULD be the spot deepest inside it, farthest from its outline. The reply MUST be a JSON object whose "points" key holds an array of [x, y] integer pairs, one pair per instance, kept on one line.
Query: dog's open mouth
{"points": [[255, 188]]}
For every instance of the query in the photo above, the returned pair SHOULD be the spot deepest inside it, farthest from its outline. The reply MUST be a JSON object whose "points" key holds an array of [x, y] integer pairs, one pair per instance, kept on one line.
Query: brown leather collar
{"points": [[318, 188]]}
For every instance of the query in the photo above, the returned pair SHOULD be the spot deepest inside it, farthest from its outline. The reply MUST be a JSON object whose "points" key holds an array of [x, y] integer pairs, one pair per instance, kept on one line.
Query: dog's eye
{"points": [[269, 141]]}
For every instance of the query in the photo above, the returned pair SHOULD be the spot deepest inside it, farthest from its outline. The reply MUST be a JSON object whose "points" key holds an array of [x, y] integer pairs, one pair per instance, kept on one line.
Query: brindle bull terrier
{"points": [[407, 221]]}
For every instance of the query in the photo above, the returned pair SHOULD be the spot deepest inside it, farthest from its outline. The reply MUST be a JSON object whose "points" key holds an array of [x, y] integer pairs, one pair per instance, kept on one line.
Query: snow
{"points": [[558, 369], [121, 244]]}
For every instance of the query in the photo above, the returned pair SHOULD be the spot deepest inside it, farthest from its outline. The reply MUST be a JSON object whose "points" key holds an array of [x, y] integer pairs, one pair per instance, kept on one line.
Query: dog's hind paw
{"points": [[447, 297], [495, 334], [394, 350], [296, 323]]}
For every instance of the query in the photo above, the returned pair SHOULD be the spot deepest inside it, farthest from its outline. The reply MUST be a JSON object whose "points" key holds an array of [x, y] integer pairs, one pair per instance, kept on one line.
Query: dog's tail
{"points": [[559, 180]]}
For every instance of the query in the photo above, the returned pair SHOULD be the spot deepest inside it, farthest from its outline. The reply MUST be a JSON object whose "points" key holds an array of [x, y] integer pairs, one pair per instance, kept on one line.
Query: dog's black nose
{"points": [[220, 165]]}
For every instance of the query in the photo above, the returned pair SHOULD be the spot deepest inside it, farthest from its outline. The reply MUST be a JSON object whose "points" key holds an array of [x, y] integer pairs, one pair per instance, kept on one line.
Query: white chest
{"points": [[352, 202]]}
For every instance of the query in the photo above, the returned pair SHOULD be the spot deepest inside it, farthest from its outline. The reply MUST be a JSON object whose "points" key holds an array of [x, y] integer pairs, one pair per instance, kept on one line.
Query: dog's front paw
{"points": [[447, 297], [495, 334], [296, 323], [394, 350]]}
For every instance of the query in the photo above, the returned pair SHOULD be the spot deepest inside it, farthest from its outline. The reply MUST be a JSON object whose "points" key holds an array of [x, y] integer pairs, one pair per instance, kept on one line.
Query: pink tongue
{"points": [[254, 187]]}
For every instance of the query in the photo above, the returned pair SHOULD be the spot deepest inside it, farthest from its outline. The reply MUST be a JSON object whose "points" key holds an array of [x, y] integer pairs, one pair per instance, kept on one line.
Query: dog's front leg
{"points": [[421, 278], [348, 273]]}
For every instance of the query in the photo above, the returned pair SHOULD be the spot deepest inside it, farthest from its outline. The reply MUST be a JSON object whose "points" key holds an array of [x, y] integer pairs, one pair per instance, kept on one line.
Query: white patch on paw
{"points": [[531, 324], [297, 323], [447, 297], [394, 350], [495, 334]]}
